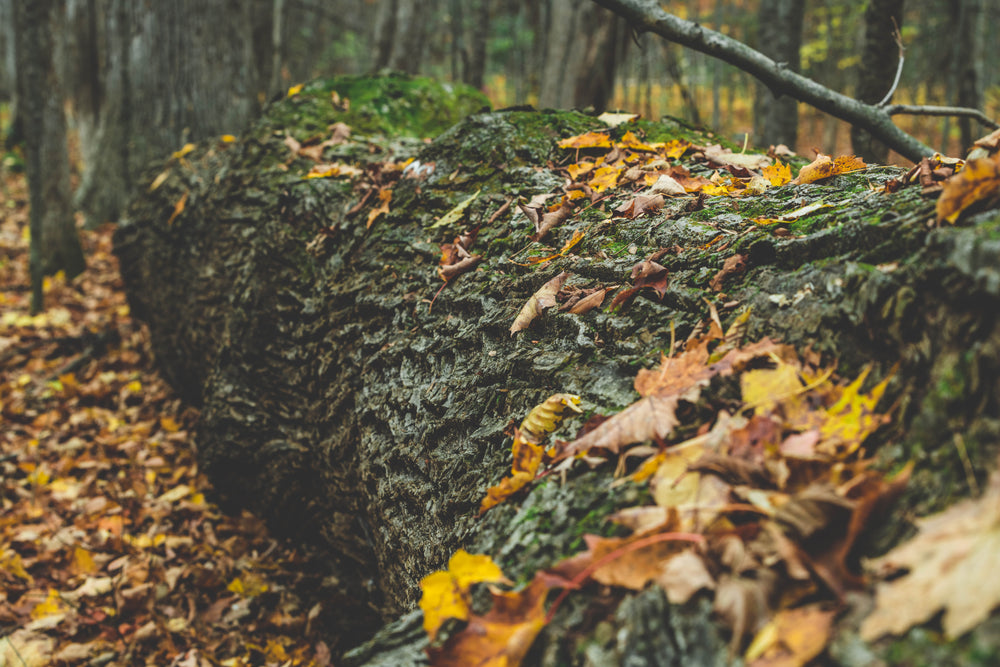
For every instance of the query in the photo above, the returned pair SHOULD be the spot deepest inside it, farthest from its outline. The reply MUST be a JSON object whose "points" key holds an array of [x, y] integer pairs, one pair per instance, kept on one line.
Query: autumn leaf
{"points": [[527, 450], [604, 178], [501, 637], [588, 140], [178, 208], [792, 638], [546, 416], [824, 167], [951, 565], [333, 170], [777, 174], [544, 298], [456, 213], [642, 204], [724, 156], [384, 198], [977, 183], [183, 151], [676, 148], [445, 593]]}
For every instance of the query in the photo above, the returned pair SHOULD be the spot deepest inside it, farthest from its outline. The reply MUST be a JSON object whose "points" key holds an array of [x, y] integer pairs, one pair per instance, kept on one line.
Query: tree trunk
{"points": [[967, 66], [55, 245], [8, 69], [779, 36], [555, 86], [170, 73], [879, 59], [345, 400]]}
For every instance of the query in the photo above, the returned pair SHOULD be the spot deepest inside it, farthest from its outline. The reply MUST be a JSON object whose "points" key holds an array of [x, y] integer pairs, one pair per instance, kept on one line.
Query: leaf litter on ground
{"points": [[109, 551]]}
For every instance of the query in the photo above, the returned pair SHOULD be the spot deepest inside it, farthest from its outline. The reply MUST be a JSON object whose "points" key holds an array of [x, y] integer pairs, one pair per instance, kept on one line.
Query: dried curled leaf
{"points": [[824, 167], [978, 182], [544, 298], [545, 417]]}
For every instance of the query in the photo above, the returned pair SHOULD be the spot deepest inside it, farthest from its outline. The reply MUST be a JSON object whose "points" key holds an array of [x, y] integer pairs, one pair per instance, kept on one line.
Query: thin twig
{"points": [[929, 110], [899, 65]]}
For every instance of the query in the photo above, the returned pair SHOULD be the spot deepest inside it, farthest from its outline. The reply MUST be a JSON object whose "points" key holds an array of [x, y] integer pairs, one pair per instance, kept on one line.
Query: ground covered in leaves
{"points": [[110, 553]]}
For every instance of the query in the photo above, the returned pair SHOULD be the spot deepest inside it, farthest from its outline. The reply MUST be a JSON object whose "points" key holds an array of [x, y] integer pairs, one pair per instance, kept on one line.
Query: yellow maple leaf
{"points": [[629, 140], [852, 418], [588, 140], [502, 637], [676, 148], [777, 174], [444, 593], [51, 606], [580, 168], [604, 177]]}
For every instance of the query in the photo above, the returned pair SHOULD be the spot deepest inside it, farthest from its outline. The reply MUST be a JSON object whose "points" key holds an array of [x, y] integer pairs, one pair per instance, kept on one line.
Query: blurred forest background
{"points": [[121, 82]]}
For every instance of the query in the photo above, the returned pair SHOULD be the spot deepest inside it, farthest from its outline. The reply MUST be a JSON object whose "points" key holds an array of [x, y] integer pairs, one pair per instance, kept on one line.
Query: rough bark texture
{"points": [[339, 404]]}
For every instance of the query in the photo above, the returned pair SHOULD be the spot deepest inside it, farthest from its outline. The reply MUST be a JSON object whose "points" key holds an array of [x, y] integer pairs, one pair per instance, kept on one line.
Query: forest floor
{"points": [[110, 553]]}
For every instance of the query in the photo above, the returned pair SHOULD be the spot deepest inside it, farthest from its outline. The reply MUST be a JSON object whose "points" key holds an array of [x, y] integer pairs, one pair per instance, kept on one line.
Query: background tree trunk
{"points": [[169, 73], [779, 36], [55, 245], [879, 59]]}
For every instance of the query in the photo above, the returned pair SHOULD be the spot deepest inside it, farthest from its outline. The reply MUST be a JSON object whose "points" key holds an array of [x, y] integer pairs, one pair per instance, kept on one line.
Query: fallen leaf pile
{"points": [[109, 551], [762, 508]]}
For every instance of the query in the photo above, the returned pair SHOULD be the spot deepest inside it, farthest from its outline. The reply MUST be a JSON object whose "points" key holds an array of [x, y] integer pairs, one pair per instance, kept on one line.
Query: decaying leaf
{"points": [[546, 416], [724, 156], [456, 213], [792, 638], [544, 298], [527, 450], [178, 208], [642, 204], [384, 198], [951, 565], [977, 183], [733, 266]]}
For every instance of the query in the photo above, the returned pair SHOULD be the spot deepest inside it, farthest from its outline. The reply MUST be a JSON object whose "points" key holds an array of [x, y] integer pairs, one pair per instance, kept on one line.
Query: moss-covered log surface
{"points": [[338, 402]]}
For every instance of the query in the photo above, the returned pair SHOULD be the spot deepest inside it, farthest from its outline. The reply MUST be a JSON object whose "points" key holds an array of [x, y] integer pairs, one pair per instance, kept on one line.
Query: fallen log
{"points": [[362, 403]]}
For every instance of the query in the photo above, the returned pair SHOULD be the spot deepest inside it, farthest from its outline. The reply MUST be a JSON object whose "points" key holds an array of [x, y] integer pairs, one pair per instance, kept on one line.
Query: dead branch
{"points": [[927, 110], [646, 16]]}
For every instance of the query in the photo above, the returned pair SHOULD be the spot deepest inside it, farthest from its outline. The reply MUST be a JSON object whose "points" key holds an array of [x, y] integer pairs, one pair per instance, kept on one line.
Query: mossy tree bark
{"points": [[342, 406]]}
